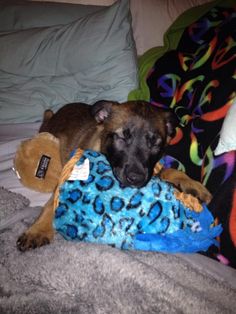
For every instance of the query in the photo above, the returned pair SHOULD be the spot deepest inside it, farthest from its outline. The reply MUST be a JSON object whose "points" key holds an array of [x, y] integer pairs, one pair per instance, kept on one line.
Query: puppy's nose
{"points": [[135, 178]]}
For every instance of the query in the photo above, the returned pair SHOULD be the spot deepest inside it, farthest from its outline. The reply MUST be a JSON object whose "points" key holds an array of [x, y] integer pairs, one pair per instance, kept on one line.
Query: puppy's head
{"points": [[134, 138]]}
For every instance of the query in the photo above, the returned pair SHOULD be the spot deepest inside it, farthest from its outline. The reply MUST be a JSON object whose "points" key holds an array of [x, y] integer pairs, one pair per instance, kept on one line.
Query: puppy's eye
{"points": [[153, 140], [126, 134], [118, 141]]}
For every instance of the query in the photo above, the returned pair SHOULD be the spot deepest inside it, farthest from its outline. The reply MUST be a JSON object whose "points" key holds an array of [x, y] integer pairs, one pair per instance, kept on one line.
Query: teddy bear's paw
{"points": [[32, 240]]}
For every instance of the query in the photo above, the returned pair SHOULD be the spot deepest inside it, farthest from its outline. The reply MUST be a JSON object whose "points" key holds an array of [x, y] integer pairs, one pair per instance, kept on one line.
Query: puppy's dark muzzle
{"points": [[134, 176], [136, 179]]}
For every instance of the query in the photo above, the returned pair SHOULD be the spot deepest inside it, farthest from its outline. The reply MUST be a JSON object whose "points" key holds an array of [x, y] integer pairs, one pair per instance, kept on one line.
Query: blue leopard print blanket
{"points": [[96, 208]]}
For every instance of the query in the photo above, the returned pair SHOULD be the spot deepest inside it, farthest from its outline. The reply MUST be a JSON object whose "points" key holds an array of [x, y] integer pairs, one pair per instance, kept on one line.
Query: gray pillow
{"points": [[25, 14], [90, 59]]}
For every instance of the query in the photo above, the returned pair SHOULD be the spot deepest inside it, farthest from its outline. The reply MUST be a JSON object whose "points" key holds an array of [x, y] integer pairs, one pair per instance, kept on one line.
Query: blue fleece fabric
{"points": [[100, 210]]}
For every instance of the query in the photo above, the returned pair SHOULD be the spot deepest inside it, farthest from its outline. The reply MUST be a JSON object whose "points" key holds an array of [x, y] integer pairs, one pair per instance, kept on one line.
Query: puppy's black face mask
{"points": [[133, 152], [134, 138]]}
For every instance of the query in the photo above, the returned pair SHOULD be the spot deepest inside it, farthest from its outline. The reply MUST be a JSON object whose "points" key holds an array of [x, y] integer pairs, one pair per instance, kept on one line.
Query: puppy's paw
{"points": [[32, 240], [189, 201], [196, 189]]}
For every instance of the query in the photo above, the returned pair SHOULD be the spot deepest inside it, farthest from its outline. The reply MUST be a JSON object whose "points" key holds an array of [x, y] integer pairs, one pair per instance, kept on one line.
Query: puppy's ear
{"points": [[102, 109], [171, 122], [46, 117]]}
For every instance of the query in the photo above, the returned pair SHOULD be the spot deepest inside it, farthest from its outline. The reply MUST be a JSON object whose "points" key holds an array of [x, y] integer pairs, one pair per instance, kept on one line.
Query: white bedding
{"points": [[11, 136]]}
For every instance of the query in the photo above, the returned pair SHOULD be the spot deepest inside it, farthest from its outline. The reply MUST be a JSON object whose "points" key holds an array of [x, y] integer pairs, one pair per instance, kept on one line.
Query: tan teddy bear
{"points": [[37, 162]]}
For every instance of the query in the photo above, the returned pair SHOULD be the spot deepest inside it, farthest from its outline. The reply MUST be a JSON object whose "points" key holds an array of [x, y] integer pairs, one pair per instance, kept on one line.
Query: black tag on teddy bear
{"points": [[42, 167]]}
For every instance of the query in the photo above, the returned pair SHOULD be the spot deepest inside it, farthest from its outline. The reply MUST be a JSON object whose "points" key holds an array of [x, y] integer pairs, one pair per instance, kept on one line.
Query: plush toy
{"points": [[91, 205], [37, 162]]}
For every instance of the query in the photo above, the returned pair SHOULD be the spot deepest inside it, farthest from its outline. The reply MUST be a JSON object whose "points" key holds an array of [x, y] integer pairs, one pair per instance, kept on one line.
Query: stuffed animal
{"points": [[37, 162], [91, 205]]}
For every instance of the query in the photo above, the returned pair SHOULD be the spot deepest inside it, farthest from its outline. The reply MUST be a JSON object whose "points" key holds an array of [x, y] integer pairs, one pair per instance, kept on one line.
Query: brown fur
{"points": [[89, 129]]}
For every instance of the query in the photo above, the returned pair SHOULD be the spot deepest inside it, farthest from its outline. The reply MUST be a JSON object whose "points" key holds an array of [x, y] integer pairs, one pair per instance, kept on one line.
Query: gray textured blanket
{"points": [[67, 277]]}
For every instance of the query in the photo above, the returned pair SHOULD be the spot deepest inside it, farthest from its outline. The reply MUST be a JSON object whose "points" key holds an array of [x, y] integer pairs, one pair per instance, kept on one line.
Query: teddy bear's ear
{"points": [[37, 162], [102, 109]]}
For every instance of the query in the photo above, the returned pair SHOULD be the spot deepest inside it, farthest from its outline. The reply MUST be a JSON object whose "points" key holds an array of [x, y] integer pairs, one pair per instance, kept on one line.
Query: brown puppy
{"points": [[132, 135]]}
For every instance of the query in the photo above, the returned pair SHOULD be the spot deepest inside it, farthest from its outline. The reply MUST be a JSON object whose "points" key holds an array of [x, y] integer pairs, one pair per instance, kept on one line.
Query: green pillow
{"points": [[90, 59]]}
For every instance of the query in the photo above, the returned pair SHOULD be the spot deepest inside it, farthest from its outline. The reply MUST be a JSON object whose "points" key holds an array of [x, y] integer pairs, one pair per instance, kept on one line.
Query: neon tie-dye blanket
{"points": [[198, 81]]}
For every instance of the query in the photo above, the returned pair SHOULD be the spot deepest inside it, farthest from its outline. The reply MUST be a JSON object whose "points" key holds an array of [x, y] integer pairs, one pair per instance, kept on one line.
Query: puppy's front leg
{"points": [[41, 232], [187, 185]]}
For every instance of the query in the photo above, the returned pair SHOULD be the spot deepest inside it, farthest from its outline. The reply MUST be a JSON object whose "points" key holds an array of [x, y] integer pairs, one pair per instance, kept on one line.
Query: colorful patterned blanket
{"points": [[198, 81]]}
